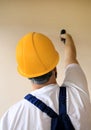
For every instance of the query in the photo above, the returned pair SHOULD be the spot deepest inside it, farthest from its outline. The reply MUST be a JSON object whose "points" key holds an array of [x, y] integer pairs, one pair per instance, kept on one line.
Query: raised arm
{"points": [[70, 50]]}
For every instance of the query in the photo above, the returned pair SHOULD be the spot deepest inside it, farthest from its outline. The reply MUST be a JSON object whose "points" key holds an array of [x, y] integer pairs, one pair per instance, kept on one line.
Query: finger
{"points": [[63, 31]]}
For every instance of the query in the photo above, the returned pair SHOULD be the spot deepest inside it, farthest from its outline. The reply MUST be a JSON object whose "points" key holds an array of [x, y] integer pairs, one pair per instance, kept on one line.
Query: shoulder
{"points": [[14, 110], [15, 114], [18, 107]]}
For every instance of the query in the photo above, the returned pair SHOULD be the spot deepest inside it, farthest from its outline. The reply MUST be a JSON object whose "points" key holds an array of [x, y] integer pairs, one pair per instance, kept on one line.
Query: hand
{"points": [[66, 38]]}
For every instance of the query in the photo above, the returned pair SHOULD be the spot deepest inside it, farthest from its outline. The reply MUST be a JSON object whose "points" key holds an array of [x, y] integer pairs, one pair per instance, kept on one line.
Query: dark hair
{"points": [[41, 79]]}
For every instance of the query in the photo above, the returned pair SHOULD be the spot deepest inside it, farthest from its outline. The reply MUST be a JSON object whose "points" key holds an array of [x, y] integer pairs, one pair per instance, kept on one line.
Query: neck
{"points": [[38, 86]]}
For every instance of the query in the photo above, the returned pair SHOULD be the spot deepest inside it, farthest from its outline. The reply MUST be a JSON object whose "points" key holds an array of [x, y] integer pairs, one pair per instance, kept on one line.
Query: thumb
{"points": [[63, 38]]}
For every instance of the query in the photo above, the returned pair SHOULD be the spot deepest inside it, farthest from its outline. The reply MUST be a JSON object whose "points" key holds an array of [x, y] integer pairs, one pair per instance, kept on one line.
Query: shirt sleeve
{"points": [[75, 76], [4, 122]]}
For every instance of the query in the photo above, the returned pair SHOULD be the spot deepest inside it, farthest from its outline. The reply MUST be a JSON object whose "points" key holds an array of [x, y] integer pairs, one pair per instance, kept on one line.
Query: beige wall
{"points": [[18, 18]]}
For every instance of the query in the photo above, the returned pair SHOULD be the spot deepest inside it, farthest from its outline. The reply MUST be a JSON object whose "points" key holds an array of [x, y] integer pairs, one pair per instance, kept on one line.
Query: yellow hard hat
{"points": [[35, 55]]}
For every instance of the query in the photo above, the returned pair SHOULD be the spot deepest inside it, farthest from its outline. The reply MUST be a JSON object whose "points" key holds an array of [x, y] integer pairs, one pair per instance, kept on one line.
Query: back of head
{"points": [[41, 79], [35, 55]]}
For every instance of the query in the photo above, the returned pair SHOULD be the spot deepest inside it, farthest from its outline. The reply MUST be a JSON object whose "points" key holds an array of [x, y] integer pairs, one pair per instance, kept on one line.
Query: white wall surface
{"points": [[46, 16]]}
